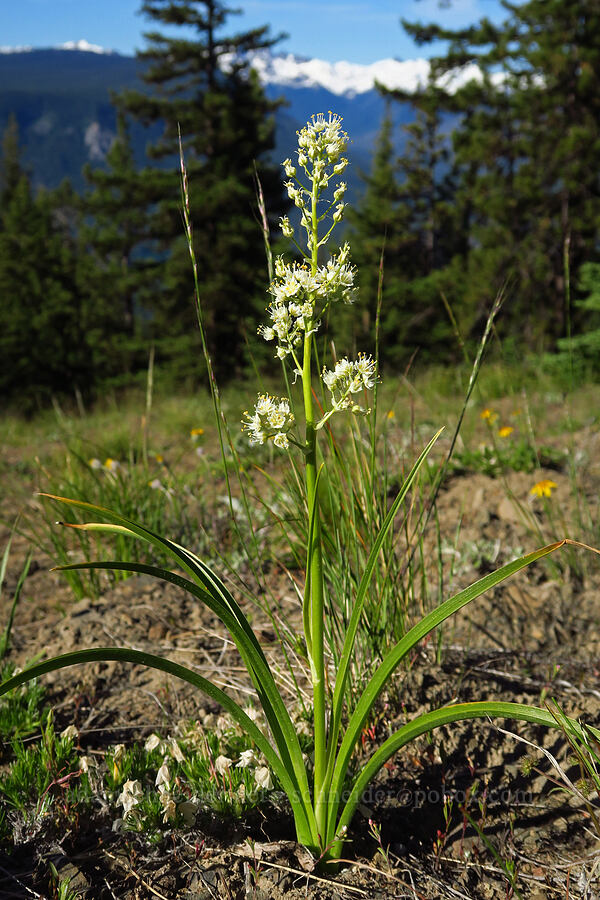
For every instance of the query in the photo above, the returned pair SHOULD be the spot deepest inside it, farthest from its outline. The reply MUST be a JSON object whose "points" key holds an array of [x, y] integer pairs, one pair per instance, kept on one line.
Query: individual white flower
{"points": [[86, 763], [281, 441], [130, 796], [286, 228], [339, 212], [290, 170], [163, 778], [152, 742], [175, 751], [94, 463], [222, 764], [70, 733], [263, 778], [247, 758], [223, 725], [168, 805]]}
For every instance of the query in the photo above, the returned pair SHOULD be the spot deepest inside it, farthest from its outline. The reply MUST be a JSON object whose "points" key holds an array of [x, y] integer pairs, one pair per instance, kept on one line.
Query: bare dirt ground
{"points": [[535, 637]]}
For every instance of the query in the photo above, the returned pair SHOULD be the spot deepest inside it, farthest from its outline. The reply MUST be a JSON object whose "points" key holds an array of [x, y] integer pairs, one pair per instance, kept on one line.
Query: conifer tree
{"points": [[42, 335], [378, 226], [527, 147], [118, 270], [408, 199], [203, 86], [11, 168]]}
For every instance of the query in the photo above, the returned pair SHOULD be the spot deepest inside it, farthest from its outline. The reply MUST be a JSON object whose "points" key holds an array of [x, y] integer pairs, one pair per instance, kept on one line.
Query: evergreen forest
{"points": [[495, 195]]}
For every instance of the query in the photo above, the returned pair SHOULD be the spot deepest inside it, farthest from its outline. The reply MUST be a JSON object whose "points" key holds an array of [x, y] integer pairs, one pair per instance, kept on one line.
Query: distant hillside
{"points": [[61, 99]]}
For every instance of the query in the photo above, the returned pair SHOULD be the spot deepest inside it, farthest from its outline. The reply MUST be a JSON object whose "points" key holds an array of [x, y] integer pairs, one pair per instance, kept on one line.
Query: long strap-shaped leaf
{"points": [[122, 654], [348, 646], [427, 723], [397, 654], [203, 595], [223, 604]]}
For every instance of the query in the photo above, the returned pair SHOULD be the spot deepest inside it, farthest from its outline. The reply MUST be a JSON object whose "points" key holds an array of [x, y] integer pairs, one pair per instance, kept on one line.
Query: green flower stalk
{"points": [[301, 293]]}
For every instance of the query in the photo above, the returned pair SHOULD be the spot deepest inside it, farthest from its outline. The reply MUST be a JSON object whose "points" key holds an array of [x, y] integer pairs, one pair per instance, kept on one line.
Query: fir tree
{"points": [[527, 148], [379, 226], [42, 334], [119, 270], [203, 87]]}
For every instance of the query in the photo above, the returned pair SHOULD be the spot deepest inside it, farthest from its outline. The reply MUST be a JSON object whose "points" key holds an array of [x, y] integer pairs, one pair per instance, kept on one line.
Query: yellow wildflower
{"points": [[391, 414], [505, 431], [159, 458], [543, 488], [196, 432], [489, 415]]}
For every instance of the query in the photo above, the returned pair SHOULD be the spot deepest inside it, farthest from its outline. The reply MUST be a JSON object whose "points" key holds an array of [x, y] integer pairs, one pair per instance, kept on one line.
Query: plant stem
{"points": [[314, 563]]}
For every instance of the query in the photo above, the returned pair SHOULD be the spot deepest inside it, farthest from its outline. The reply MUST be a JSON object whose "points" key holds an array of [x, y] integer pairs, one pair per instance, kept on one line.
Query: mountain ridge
{"points": [[61, 99]]}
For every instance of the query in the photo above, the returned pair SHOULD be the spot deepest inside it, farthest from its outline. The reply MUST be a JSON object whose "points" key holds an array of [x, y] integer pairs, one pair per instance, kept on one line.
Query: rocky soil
{"points": [[534, 638]]}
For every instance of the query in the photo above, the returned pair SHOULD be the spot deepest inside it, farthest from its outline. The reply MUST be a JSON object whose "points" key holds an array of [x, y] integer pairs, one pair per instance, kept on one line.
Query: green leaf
{"points": [[427, 723], [404, 646], [214, 593], [350, 637], [122, 654]]}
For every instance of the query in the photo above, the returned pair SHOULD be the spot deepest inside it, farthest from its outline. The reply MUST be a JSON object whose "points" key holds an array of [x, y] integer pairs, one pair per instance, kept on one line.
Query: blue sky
{"points": [[360, 31]]}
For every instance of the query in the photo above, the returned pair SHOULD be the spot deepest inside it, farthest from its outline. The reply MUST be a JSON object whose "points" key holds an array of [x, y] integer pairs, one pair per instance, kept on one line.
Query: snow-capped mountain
{"points": [[339, 78], [61, 98]]}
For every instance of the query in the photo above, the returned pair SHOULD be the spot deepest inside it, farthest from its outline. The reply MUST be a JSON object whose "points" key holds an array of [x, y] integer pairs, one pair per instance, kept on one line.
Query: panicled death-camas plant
{"points": [[322, 795]]}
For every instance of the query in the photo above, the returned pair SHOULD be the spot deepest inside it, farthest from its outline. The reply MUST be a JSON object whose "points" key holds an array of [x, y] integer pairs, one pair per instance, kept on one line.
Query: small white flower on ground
{"points": [[263, 778], [152, 742], [222, 764], [70, 732], [176, 751], [86, 763], [168, 804], [130, 796], [163, 778], [247, 758]]}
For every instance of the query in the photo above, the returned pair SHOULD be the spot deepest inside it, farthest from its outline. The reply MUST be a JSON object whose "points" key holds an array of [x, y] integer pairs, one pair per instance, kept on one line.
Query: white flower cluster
{"points": [[296, 293], [321, 144], [272, 420], [350, 377], [322, 139], [293, 289]]}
